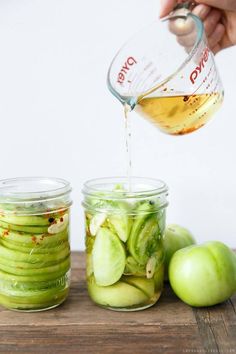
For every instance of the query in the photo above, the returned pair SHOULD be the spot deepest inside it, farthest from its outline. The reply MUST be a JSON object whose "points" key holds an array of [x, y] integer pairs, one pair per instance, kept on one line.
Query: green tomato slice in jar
{"points": [[133, 268], [38, 240], [31, 260], [22, 228], [116, 217], [108, 257], [25, 303], [33, 250], [29, 220], [144, 239], [36, 274], [120, 220], [117, 295], [147, 286], [121, 225]]}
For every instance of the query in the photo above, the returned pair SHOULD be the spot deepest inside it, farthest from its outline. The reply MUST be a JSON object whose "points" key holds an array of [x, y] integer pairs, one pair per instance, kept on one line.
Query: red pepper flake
{"points": [[186, 98], [5, 233], [45, 215], [61, 219], [34, 239]]}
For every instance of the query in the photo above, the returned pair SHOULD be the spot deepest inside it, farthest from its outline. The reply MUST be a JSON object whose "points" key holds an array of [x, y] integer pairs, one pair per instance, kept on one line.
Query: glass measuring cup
{"points": [[167, 74]]}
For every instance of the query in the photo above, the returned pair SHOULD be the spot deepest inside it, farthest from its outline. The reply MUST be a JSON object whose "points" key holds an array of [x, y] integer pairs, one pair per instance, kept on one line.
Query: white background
{"points": [[57, 117]]}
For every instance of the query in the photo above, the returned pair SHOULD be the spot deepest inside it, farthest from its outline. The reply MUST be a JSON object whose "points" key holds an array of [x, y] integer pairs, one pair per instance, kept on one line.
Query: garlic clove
{"points": [[59, 225]]}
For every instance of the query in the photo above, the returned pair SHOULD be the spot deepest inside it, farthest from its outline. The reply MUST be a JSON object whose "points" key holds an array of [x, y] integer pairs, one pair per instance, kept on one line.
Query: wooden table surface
{"points": [[78, 326]]}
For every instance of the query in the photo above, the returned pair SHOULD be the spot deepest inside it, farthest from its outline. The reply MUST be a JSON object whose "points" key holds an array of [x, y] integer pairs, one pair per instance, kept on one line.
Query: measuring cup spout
{"points": [[125, 100]]}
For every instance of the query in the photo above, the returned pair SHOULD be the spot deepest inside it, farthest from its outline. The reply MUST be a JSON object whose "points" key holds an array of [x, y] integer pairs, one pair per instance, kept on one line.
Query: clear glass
{"points": [[125, 221], [34, 243], [168, 75]]}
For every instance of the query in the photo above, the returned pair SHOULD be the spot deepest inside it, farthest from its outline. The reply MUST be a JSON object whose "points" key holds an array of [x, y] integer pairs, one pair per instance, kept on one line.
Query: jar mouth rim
{"points": [[21, 189], [136, 187]]}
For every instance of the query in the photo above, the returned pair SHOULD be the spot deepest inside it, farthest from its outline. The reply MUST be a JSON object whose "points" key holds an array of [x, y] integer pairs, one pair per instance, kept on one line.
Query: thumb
{"points": [[166, 7], [220, 4]]}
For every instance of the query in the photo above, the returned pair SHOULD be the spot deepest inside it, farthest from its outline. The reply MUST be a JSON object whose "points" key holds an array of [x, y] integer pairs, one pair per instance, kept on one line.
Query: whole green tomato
{"points": [[203, 275], [175, 238]]}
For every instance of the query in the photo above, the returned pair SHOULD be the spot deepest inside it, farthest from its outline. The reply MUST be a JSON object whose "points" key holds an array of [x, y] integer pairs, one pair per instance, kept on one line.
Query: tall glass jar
{"points": [[125, 221], [34, 243]]}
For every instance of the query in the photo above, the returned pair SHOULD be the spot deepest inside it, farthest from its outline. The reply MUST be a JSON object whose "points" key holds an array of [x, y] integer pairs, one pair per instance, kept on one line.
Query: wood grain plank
{"points": [[217, 327], [79, 326], [94, 339]]}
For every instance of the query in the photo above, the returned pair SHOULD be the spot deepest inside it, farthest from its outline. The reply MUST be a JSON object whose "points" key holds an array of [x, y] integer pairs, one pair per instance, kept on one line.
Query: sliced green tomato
{"points": [[22, 286], [34, 249], [161, 216], [26, 220], [33, 220], [121, 220], [30, 259], [118, 295], [28, 240], [159, 278], [13, 303], [25, 266], [116, 217], [108, 257], [89, 265], [142, 212], [121, 223], [26, 229], [133, 268], [144, 241], [147, 286], [52, 274], [35, 297], [89, 242], [95, 222]]}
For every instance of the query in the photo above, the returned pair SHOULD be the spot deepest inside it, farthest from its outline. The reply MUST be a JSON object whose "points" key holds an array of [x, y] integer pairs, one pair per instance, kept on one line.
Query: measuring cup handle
{"points": [[188, 5]]}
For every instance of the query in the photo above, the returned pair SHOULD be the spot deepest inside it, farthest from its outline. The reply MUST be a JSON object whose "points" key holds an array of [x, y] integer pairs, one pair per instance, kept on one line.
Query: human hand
{"points": [[219, 19]]}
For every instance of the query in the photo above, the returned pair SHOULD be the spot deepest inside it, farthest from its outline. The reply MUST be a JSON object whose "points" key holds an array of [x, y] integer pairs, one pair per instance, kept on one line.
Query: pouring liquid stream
{"points": [[127, 110]]}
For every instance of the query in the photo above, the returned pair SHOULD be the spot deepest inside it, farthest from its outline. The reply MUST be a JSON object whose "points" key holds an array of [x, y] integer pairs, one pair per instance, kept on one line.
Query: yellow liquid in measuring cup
{"points": [[179, 115]]}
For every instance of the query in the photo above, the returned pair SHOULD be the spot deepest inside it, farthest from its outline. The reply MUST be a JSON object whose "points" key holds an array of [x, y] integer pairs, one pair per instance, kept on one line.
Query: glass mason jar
{"points": [[125, 221], [34, 243]]}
